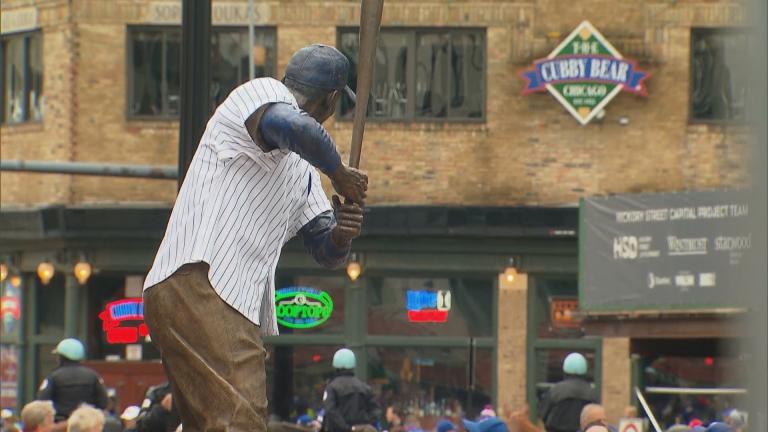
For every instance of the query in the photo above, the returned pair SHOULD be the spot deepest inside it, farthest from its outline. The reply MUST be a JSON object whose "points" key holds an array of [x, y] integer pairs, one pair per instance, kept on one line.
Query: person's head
{"points": [[129, 416], [446, 426], [70, 349], [38, 416], [598, 428], [8, 417], [85, 419], [737, 419], [678, 428], [592, 414], [344, 359], [719, 427], [487, 412], [575, 365], [316, 75]]}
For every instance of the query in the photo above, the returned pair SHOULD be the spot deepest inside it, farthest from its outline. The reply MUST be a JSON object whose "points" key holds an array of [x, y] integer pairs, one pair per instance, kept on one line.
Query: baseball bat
{"points": [[370, 19]]}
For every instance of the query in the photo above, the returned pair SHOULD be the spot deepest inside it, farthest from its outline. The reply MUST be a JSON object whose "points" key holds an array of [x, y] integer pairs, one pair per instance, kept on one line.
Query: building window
{"points": [[553, 333], [718, 84], [22, 77], [668, 382], [154, 66], [452, 307], [423, 74], [294, 317], [418, 382]]}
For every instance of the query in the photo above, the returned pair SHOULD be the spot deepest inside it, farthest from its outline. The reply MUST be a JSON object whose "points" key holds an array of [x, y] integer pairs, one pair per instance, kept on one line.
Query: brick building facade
{"points": [[522, 150]]}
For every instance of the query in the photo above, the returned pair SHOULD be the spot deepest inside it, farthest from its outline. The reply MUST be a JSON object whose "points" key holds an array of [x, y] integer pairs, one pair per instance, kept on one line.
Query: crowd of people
{"points": [[73, 398]]}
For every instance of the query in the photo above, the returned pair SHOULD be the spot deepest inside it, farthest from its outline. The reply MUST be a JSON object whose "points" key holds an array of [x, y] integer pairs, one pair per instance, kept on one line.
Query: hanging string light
{"points": [[45, 272], [83, 271], [354, 269]]}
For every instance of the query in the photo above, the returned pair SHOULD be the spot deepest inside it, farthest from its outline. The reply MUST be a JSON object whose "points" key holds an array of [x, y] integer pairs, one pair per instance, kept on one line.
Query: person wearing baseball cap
{"points": [[252, 185], [562, 405], [72, 384]]}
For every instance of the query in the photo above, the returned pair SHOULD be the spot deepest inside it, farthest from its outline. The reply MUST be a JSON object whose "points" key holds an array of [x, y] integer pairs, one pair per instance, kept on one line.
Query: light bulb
{"points": [[509, 274], [354, 270], [45, 272], [82, 272]]}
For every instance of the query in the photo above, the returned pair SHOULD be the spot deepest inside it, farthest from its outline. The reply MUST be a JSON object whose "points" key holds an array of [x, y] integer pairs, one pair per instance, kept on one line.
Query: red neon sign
{"points": [[10, 305], [428, 316], [427, 306], [116, 313]]}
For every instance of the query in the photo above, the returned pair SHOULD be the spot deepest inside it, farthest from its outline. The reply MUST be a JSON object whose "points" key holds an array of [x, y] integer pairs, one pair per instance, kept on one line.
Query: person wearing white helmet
{"points": [[348, 402], [561, 406], [72, 384]]}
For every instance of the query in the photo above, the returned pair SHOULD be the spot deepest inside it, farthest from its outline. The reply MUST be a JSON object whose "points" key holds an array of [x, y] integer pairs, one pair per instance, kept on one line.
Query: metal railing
{"points": [[695, 391]]}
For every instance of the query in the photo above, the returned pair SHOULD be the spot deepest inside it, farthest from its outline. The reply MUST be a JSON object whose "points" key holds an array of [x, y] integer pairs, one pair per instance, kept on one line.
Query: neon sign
{"points": [[118, 312], [10, 306], [428, 306], [562, 312], [302, 308]]}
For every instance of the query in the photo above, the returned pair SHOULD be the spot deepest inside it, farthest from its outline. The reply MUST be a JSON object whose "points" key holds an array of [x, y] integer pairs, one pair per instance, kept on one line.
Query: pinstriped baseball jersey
{"points": [[238, 206]]}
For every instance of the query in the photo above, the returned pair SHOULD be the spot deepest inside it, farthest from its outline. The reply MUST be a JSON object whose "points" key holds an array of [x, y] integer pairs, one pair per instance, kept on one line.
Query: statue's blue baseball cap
{"points": [[320, 66]]}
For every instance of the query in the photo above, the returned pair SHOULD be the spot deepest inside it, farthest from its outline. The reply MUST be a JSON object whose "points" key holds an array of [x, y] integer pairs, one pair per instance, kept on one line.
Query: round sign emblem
{"points": [[301, 307]]}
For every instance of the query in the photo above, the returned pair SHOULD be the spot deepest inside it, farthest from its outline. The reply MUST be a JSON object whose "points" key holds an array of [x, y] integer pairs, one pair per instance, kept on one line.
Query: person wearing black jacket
{"points": [[562, 404], [158, 413], [349, 403], [72, 384]]}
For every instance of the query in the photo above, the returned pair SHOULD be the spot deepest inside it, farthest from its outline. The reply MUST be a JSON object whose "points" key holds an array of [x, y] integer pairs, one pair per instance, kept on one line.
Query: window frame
{"points": [[410, 75], [355, 334], [131, 29], [706, 31], [26, 35]]}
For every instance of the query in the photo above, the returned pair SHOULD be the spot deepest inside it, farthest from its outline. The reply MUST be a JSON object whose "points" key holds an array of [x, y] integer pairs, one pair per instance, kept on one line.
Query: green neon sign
{"points": [[301, 307]]}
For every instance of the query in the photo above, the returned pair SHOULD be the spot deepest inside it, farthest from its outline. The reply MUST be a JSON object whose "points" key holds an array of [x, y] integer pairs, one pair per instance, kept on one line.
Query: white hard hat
{"points": [[130, 413]]}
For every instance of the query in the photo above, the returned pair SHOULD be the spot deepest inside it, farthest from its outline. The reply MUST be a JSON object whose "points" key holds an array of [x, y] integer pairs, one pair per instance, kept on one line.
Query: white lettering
{"points": [[713, 212], [621, 75], [682, 213], [581, 90], [222, 13], [725, 243], [625, 247], [630, 216], [545, 72], [687, 246], [656, 215]]}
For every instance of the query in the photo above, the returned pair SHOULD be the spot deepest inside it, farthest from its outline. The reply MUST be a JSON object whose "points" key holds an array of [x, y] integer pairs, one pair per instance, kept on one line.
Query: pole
{"points": [[195, 78], [71, 306], [251, 40], [647, 409], [163, 172]]}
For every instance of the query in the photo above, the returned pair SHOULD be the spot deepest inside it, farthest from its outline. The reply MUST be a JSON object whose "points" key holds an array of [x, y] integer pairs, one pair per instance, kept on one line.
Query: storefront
{"points": [[422, 317]]}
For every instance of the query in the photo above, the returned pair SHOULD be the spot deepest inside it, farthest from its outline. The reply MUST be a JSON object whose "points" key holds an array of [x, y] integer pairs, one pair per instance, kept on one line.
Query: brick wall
{"points": [[50, 139], [511, 349], [529, 151]]}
